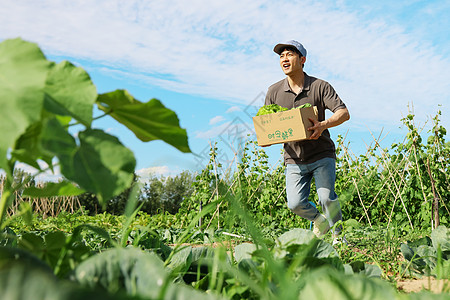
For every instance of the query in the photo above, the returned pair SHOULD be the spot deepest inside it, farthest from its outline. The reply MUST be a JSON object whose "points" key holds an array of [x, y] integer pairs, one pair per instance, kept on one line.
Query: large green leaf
{"points": [[304, 247], [32, 243], [181, 260], [316, 248], [441, 238], [29, 83], [244, 251], [27, 148], [100, 164], [131, 269], [23, 71], [149, 121], [139, 273], [11, 256], [327, 283], [70, 92], [54, 243], [101, 232], [296, 236], [362, 268], [27, 282], [55, 140]]}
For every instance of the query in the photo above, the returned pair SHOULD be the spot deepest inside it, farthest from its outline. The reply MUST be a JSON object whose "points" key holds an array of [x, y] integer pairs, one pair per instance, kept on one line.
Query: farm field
{"points": [[222, 233], [108, 249]]}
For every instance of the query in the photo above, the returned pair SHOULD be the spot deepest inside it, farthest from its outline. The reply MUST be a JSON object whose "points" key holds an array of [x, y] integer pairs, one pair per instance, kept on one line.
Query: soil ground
{"points": [[428, 283]]}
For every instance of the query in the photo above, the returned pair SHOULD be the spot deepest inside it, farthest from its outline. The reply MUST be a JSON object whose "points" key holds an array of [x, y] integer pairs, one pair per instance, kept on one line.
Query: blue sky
{"points": [[212, 61]]}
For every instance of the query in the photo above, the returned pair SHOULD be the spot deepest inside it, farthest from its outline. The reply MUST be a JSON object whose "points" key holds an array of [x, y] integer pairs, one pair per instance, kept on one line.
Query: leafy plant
{"points": [[138, 256], [428, 256], [41, 100], [270, 109], [274, 108], [404, 186]]}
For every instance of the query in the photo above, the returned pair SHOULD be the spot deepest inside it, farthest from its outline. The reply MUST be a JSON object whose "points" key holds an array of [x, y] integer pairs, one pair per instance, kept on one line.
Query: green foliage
{"points": [[24, 73], [270, 109], [118, 269], [116, 205], [274, 108], [426, 255], [29, 282], [205, 191], [157, 195], [148, 121], [330, 284], [303, 105], [401, 185], [138, 256], [165, 194], [396, 188], [41, 99], [290, 265], [262, 190]]}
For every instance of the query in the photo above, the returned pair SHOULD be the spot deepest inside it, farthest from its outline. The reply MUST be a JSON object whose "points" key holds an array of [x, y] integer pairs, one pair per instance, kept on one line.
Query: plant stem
{"points": [[6, 195], [436, 199], [96, 118]]}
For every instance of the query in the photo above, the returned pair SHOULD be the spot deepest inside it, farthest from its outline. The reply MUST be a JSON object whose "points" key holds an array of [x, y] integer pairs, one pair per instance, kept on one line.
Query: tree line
{"points": [[158, 194]]}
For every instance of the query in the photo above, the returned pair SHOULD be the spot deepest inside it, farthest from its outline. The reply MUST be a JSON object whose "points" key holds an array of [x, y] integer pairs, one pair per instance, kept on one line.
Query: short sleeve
{"points": [[268, 99], [331, 99]]}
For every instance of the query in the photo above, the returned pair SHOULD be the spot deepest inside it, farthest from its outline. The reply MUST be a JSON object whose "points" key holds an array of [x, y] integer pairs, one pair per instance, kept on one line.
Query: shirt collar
{"points": [[306, 83]]}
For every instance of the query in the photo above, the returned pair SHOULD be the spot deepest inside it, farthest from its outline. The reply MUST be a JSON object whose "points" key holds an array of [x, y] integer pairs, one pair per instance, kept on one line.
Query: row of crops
{"points": [[231, 238], [135, 260]]}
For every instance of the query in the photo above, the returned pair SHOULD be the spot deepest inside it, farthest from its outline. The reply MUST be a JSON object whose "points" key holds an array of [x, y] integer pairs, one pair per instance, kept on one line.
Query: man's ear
{"points": [[303, 59]]}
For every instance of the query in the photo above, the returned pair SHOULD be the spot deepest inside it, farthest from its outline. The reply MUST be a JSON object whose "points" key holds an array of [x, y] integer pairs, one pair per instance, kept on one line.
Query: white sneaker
{"points": [[321, 225]]}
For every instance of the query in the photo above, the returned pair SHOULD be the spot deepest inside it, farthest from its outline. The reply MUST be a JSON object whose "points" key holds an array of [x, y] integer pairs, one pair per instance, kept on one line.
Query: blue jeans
{"points": [[298, 187]]}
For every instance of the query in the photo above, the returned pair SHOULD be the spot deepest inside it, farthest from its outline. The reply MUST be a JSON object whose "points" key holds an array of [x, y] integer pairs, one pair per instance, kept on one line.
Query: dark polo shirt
{"points": [[318, 93]]}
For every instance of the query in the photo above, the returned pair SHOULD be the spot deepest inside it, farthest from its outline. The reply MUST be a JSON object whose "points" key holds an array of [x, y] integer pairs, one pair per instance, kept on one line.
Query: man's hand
{"points": [[339, 117], [317, 128]]}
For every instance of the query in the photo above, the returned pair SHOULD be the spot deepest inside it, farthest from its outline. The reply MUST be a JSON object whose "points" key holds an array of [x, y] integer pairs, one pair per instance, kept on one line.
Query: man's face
{"points": [[291, 62]]}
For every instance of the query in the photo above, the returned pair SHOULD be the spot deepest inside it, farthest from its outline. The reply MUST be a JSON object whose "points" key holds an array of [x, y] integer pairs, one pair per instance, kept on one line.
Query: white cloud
{"points": [[228, 131], [223, 49], [232, 109], [165, 171], [216, 119], [213, 132], [41, 176]]}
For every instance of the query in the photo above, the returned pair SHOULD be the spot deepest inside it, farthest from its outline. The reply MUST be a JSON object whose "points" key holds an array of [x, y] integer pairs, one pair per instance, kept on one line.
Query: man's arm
{"points": [[339, 117]]}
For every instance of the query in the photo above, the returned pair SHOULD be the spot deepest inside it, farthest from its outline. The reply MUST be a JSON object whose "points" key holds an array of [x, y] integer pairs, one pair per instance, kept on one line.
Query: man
{"points": [[315, 157]]}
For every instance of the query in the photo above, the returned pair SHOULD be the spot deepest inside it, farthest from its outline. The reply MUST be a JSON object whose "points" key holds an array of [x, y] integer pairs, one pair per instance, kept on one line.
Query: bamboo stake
{"points": [[359, 196], [395, 184]]}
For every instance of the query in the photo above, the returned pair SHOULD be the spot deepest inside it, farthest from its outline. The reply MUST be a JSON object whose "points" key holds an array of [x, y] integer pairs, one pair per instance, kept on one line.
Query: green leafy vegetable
{"points": [[303, 106], [270, 109], [274, 108]]}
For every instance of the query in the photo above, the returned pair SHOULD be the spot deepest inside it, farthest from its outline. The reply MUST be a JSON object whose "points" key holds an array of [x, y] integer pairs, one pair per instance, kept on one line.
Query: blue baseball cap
{"points": [[279, 47]]}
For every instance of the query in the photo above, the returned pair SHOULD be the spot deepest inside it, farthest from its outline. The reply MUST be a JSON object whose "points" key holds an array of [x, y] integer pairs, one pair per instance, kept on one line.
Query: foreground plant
{"points": [[41, 100]]}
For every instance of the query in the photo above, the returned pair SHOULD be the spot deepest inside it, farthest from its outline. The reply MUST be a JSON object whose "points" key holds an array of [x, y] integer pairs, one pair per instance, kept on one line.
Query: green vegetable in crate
{"points": [[274, 108], [270, 109], [303, 106]]}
